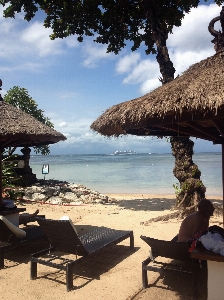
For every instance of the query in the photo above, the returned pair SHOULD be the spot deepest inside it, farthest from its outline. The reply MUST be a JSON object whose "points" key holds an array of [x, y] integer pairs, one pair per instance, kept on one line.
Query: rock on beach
{"points": [[64, 193]]}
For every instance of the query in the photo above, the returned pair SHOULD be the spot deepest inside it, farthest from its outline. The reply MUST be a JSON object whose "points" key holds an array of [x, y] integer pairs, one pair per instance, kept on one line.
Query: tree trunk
{"points": [[191, 189]]}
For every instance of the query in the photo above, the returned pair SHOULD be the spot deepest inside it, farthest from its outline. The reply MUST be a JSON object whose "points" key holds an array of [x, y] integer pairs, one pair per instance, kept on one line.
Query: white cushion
{"points": [[73, 226], [16, 230]]}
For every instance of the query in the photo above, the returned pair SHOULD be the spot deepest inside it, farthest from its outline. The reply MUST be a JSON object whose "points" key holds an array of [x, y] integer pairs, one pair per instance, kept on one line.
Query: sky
{"points": [[74, 83]]}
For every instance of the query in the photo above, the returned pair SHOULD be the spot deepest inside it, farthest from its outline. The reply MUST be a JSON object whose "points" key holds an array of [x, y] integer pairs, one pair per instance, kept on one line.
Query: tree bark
{"points": [[191, 189]]}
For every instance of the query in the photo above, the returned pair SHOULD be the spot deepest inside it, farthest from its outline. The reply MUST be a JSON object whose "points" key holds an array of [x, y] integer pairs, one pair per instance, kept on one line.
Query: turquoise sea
{"points": [[128, 173]]}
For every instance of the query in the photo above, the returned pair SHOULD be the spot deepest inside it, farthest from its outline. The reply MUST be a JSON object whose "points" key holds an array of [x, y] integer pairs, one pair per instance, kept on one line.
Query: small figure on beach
{"points": [[197, 222]]}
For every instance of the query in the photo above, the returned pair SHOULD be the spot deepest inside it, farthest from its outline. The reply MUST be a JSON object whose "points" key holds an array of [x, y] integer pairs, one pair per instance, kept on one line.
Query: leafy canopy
{"points": [[20, 98], [112, 22]]}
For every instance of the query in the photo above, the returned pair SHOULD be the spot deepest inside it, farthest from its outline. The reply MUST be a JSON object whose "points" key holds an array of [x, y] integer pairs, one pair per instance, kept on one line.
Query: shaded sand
{"points": [[114, 274]]}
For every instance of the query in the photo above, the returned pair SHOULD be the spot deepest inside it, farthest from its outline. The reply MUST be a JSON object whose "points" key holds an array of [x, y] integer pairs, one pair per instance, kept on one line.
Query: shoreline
{"points": [[133, 196]]}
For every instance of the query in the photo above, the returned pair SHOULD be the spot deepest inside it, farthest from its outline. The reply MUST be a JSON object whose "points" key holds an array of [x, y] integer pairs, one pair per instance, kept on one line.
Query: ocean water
{"points": [[129, 173]]}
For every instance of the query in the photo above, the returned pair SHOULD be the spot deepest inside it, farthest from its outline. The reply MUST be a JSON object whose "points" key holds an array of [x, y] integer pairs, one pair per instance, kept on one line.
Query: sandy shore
{"points": [[113, 275]]}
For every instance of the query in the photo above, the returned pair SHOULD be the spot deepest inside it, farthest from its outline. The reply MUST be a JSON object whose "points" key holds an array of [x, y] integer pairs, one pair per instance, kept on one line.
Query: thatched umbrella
{"points": [[19, 129], [190, 105]]}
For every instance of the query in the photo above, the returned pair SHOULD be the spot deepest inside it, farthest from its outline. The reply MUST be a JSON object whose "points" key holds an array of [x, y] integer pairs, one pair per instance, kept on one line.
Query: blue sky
{"points": [[74, 83]]}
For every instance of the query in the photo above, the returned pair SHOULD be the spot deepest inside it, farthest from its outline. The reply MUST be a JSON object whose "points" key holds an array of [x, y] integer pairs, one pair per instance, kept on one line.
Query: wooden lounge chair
{"points": [[173, 250], [8, 240], [63, 238]]}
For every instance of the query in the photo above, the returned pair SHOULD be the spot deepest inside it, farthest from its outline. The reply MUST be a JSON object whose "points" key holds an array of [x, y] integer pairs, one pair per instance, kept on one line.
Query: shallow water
{"points": [[136, 173]]}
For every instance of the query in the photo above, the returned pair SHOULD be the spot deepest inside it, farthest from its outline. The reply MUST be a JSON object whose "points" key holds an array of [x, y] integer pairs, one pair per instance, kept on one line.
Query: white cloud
{"points": [[183, 61], [27, 46], [126, 63], [71, 41], [37, 36], [189, 43], [68, 135], [33, 67], [76, 127], [99, 144], [94, 53], [6, 25], [80, 138], [9, 45], [149, 85], [3, 92], [63, 124], [145, 70], [68, 95], [193, 34]]}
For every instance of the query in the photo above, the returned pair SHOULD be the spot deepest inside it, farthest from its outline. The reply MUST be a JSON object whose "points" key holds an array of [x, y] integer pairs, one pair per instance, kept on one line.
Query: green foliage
{"points": [[8, 174], [10, 178], [177, 189], [199, 184], [186, 187], [20, 98], [195, 171], [13, 194], [112, 22]]}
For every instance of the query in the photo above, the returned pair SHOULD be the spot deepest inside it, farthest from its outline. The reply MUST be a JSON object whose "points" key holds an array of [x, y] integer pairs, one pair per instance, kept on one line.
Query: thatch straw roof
{"points": [[190, 105], [18, 128]]}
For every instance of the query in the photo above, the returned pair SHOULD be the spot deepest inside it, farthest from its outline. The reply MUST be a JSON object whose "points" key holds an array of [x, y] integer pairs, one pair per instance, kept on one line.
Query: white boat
{"points": [[123, 152]]}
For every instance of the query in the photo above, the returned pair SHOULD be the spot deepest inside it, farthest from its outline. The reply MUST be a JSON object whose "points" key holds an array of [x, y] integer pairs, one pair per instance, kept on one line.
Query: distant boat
{"points": [[123, 152]]}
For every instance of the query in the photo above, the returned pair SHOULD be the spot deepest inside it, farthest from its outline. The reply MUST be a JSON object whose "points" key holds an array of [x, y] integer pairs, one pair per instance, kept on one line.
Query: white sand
{"points": [[113, 275]]}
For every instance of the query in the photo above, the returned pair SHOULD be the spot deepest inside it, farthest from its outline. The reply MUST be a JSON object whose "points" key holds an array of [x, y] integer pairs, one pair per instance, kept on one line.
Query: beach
{"points": [[114, 274]]}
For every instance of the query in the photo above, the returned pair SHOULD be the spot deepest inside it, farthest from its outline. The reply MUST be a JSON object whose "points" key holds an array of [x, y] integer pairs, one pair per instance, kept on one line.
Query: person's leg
{"points": [[27, 216]]}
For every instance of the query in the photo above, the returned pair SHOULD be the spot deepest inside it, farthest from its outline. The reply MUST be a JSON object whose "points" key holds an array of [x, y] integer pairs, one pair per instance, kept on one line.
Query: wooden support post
{"points": [[223, 183]]}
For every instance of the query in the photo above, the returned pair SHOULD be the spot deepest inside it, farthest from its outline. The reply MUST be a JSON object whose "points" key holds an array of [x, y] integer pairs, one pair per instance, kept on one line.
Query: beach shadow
{"points": [[179, 285], [91, 268], [149, 204], [22, 255]]}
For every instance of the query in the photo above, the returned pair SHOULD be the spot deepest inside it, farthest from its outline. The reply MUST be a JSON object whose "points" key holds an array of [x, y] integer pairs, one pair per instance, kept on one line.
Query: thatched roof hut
{"points": [[190, 105], [18, 128]]}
